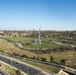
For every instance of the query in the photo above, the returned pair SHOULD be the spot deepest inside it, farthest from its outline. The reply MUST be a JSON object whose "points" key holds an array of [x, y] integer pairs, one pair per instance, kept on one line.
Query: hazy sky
{"points": [[26, 14]]}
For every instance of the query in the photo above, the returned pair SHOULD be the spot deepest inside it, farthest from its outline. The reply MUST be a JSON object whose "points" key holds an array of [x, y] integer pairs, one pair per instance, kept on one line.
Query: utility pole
{"points": [[38, 40]]}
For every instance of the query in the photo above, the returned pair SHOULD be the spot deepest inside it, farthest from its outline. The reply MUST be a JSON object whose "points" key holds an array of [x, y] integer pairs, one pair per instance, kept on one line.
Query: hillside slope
{"points": [[10, 48]]}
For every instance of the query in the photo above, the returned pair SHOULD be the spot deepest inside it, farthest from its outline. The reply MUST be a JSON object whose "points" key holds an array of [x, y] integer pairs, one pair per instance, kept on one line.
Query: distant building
{"points": [[23, 34], [1, 33]]}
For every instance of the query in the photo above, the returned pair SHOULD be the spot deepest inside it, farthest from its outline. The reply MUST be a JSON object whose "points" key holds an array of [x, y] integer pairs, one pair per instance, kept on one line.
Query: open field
{"points": [[21, 39], [68, 55], [42, 46], [10, 48], [27, 42]]}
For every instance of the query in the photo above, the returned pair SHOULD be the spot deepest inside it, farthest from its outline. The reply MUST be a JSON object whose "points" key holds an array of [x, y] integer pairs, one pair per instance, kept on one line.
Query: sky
{"points": [[29, 14]]}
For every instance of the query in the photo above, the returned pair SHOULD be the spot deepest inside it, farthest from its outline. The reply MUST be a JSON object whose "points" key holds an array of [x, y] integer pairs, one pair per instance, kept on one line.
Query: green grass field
{"points": [[27, 39], [21, 39], [42, 46]]}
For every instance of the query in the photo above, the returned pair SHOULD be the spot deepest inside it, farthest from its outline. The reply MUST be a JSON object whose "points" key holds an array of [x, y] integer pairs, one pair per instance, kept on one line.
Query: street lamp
{"points": [[10, 62], [27, 70]]}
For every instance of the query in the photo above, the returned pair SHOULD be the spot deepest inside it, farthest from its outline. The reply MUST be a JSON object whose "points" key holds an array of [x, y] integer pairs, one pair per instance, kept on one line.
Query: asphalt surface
{"points": [[64, 68], [25, 68], [14, 63]]}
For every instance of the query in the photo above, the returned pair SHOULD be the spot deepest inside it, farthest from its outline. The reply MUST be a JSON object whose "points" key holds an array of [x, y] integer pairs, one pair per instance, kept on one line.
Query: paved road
{"points": [[66, 69], [64, 44], [23, 67]]}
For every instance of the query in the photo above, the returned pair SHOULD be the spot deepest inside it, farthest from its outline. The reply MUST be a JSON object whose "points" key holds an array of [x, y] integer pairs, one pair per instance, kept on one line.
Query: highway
{"points": [[64, 68], [64, 44], [23, 67]]}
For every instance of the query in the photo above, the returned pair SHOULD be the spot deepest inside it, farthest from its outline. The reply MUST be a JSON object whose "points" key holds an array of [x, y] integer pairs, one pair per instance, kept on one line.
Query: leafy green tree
{"points": [[18, 72], [0, 65], [33, 57], [63, 62], [51, 59], [44, 59], [23, 55]]}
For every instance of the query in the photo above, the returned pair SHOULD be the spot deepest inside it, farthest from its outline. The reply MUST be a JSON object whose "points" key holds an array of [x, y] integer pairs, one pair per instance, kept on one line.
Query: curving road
{"points": [[26, 69], [23, 67]]}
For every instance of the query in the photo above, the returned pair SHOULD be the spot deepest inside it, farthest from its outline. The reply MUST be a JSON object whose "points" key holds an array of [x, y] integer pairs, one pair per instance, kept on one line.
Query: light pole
{"points": [[10, 62], [27, 70], [10, 65]]}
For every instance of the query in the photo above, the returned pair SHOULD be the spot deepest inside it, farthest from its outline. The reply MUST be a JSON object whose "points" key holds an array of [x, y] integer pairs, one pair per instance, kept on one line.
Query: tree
{"points": [[51, 59], [33, 57], [18, 72], [0, 65], [63, 62], [43, 59], [23, 55]]}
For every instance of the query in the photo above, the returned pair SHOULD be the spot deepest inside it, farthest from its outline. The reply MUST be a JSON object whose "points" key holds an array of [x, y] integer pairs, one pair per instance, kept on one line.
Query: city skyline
{"points": [[26, 14]]}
